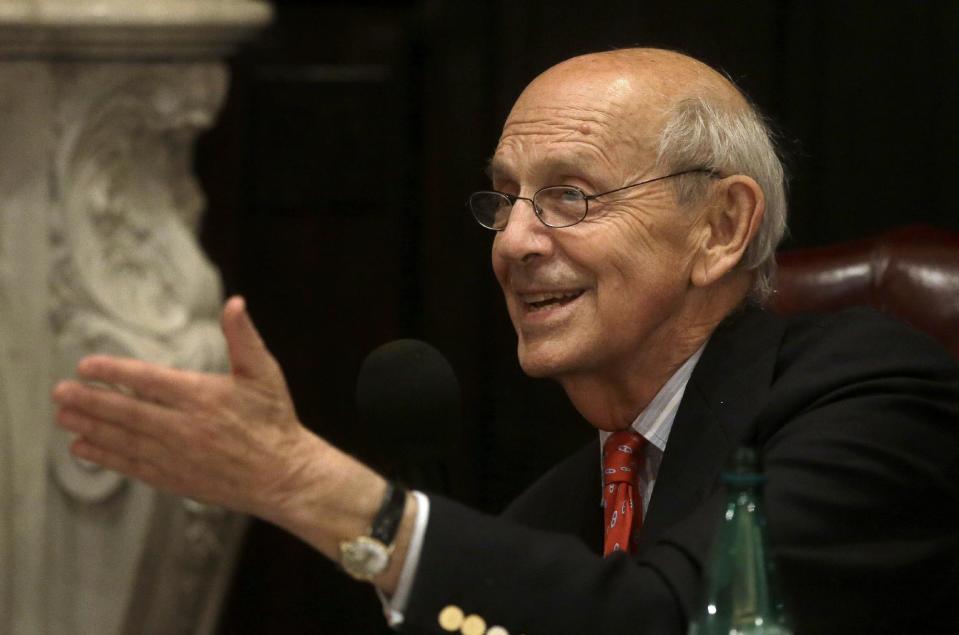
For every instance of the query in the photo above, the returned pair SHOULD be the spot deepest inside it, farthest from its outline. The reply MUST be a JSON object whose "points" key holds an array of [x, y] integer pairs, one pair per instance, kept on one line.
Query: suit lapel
{"points": [[566, 499], [585, 494], [724, 393]]}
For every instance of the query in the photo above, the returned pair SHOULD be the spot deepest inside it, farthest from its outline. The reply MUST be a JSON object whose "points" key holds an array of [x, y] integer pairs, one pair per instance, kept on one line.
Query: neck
{"points": [[612, 398]]}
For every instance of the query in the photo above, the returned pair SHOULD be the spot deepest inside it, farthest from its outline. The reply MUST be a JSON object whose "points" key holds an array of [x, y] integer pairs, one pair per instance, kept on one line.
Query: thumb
{"points": [[248, 354]]}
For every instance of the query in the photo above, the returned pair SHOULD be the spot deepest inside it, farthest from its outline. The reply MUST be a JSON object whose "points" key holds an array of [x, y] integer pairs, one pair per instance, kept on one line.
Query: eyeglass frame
{"points": [[512, 198]]}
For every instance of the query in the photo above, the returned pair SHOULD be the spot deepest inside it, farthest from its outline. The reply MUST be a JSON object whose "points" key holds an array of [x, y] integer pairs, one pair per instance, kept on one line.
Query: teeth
{"points": [[540, 299], [545, 297]]}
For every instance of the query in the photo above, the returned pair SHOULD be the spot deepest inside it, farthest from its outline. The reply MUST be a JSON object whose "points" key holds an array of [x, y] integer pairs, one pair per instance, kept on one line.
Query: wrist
{"points": [[369, 555], [326, 497], [329, 497]]}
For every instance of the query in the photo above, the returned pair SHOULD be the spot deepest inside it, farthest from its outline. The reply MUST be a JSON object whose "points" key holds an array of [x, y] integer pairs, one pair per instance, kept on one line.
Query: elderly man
{"points": [[637, 201]]}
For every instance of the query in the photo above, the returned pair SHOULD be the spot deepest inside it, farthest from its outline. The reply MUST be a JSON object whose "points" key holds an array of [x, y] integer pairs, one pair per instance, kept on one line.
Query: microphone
{"points": [[408, 399]]}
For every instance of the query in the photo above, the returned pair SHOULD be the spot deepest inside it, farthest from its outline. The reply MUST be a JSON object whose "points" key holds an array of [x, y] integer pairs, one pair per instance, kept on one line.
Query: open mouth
{"points": [[540, 301]]}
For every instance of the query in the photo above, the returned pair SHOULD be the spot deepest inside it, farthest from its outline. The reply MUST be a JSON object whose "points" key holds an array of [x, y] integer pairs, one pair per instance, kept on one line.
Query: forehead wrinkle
{"points": [[553, 144], [608, 133], [550, 120], [567, 157], [554, 114]]}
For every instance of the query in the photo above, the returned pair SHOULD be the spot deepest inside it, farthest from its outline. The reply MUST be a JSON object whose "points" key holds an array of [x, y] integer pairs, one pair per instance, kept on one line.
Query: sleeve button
{"points": [[451, 618], [473, 625]]}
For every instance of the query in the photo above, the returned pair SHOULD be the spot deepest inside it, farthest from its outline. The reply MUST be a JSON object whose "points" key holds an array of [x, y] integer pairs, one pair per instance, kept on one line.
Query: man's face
{"points": [[596, 298]]}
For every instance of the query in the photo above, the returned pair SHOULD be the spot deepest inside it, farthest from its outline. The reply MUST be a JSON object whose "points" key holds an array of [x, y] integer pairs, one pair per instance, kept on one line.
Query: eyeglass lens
{"points": [[558, 206], [490, 209], [561, 206]]}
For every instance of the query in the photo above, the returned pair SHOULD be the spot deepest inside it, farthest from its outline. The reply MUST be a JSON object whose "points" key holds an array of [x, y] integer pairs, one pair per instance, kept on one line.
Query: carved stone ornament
{"points": [[127, 277], [100, 105]]}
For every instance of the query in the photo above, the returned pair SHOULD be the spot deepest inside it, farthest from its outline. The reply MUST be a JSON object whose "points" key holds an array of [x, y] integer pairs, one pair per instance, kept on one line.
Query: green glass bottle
{"points": [[741, 595]]}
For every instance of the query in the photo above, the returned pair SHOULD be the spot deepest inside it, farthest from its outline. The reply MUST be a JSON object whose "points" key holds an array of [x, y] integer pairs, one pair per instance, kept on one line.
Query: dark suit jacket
{"points": [[857, 421]]}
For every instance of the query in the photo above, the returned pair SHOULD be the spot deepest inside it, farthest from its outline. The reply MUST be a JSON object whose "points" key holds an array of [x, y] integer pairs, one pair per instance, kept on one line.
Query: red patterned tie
{"points": [[622, 500]]}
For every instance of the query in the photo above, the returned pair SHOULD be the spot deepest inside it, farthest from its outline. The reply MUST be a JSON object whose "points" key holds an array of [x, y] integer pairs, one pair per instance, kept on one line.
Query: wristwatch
{"points": [[365, 557]]}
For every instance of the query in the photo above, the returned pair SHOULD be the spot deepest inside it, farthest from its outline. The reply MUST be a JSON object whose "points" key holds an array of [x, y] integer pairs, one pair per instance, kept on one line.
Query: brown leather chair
{"points": [[911, 273]]}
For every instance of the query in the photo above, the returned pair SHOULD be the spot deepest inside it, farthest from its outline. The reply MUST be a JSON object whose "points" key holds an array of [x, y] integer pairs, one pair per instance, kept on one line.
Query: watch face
{"points": [[364, 557]]}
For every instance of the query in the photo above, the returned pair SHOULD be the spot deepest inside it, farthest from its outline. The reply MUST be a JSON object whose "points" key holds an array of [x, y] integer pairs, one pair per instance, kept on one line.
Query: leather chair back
{"points": [[911, 273]]}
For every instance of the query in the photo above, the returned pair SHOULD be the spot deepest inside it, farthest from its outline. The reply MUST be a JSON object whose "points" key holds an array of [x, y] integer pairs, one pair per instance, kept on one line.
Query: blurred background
{"points": [[337, 174]]}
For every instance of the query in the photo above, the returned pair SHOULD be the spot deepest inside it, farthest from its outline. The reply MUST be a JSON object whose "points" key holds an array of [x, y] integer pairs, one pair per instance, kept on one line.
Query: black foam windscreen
{"points": [[408, 398]]}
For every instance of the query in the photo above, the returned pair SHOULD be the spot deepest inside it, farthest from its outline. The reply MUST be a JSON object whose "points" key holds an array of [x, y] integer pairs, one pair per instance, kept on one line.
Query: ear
{"points": [[729, 224]]}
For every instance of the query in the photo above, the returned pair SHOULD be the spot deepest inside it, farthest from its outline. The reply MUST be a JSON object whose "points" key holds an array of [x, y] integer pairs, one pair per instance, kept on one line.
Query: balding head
{"points": [[657, 73], [642, 85]]}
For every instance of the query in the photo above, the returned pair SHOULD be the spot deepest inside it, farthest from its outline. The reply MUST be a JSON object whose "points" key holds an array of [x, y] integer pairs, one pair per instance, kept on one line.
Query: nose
{"points": [[524, 237]]}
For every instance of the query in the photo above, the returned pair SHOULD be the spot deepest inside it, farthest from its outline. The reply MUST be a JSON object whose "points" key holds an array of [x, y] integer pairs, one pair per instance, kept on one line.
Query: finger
{"points": [[119, 409], [135, 447], [140, 469], [249, 356], [157, 383]]}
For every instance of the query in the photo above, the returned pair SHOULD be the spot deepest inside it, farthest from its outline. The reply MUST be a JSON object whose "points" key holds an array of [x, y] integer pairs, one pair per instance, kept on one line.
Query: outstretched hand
{"points": [[232, 440]]}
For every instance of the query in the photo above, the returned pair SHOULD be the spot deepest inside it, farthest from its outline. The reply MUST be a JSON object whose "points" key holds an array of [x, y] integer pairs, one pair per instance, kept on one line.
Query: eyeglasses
{"points": [[555, 206]]}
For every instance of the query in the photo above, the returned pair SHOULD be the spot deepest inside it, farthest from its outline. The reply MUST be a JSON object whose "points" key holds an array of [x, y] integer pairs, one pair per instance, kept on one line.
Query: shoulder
{"points": [[854, 353], [860, 337]]}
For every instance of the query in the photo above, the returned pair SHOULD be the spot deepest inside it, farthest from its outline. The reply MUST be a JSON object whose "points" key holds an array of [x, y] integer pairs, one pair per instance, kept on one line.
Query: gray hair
{"points": [[730, 140]]}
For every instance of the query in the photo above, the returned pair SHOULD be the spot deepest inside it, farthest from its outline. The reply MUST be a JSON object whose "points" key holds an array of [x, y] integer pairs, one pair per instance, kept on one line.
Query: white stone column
{"points": [[100, 103]]}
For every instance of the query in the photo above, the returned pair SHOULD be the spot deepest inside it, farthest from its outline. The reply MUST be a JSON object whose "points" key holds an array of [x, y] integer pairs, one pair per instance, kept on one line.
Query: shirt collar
{"points": [[656, 420]]}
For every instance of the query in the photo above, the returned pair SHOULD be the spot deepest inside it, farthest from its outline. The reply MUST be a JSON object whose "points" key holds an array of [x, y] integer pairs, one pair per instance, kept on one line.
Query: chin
{"points": [[540, 362], [537, 371]]}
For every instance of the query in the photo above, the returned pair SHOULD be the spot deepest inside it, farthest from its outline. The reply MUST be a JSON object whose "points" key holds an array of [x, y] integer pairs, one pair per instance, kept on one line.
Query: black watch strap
{"points": [[387, 519]]}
